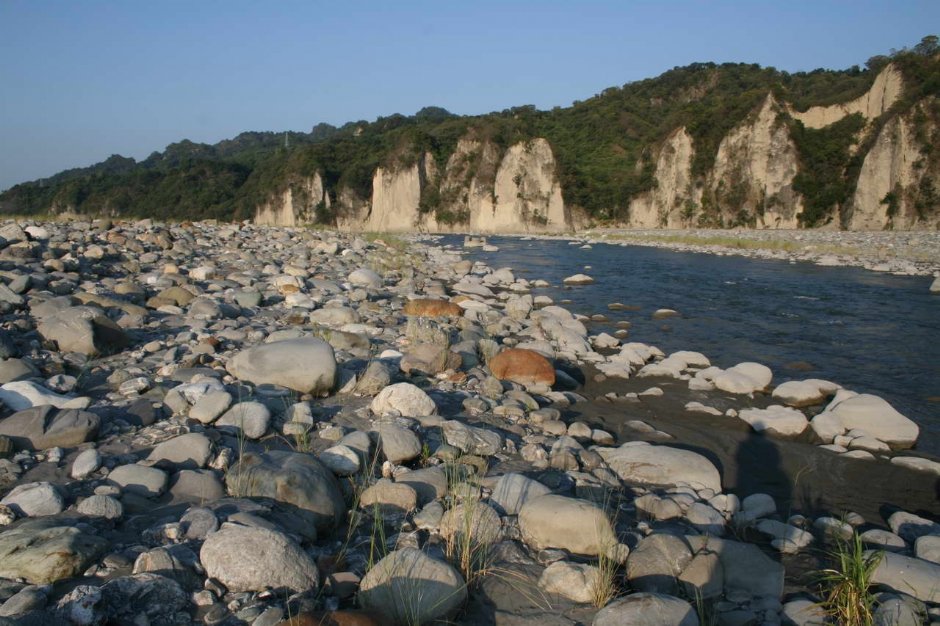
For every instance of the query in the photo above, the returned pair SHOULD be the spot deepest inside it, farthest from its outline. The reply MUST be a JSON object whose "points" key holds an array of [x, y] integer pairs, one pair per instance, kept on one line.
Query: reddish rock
{"points": [[423, 307], [522, 366]]}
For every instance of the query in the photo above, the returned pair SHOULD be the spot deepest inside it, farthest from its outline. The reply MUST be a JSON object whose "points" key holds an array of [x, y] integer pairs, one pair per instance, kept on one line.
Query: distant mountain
{"points": [[701, 145]]}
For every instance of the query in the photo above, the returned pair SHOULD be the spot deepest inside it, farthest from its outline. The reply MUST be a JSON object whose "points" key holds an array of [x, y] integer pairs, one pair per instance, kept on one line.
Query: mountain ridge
{"points": [[700, 145]]}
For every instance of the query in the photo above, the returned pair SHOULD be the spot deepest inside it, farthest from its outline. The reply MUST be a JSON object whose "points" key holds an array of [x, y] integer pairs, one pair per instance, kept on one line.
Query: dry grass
{"points": [[605, 587], [846, 586]]}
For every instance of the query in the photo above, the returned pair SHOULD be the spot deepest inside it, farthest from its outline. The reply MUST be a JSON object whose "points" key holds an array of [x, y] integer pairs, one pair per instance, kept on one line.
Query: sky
{"points": [[80, 81]]}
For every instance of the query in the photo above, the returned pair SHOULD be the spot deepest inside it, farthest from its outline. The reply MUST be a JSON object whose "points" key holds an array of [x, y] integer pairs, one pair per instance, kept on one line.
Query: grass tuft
{"points": [[847, 598]]}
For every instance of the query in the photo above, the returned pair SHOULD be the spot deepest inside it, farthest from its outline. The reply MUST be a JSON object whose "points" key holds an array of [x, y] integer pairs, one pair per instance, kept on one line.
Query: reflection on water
{"points": [[868, 331]]}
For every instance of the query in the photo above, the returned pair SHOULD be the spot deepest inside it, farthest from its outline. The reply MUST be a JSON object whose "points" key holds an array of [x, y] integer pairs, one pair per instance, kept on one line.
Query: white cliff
{"points": [[478, 191], [295, 205], [754, 170], [468, 182], [671, 203], [894, 165], [351, 211], [884, 92], [396, 198], [526, 195]]}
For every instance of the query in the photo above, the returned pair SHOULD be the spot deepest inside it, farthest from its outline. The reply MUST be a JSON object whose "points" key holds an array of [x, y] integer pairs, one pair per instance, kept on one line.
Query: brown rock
{"points": [[522, 366], [432, 308]]}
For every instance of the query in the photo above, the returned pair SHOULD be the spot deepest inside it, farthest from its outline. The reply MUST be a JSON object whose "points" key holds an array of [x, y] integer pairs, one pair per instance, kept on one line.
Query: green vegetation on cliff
{"points": [[605, 147]]}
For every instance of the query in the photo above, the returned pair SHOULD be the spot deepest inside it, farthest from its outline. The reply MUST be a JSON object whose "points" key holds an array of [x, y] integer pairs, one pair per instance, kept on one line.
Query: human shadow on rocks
{"points": [[759, 469]]}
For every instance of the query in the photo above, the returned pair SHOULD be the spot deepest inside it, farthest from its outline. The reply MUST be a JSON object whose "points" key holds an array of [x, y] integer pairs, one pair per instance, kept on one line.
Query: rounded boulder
{"points": [[405, 398], [247, 558], [647, 609], [578, 526], [305, 364], [410, 587], [291, 477], [522, 366], [661, 466], [877, 418]]}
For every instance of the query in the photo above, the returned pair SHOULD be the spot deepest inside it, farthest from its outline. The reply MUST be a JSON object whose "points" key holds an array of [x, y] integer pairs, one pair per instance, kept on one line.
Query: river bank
{"points": [[247, 425], [914, 253]]}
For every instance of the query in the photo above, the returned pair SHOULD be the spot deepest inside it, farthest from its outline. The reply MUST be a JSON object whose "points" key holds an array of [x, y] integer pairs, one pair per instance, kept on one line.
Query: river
{"points": [[870, 332]]}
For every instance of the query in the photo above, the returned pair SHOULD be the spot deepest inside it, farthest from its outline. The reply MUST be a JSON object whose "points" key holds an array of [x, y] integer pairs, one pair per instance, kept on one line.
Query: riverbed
{"points": [[871, 332]]}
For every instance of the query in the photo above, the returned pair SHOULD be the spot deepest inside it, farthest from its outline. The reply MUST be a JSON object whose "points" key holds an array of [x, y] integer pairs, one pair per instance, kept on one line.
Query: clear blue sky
{"points": [[81, 80]]}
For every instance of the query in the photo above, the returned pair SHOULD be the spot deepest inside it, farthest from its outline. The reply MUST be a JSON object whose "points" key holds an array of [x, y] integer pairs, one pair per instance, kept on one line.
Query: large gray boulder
{"points": [[647, 609], [342, 460], [24, 394], [398, 444], [743, 378], [142, 480], [189, 451], [656, 563], [101, 506], [512, 491], [305, 364], [803, 393], [365, 277], [776, 420], [404, 398], [334, 316], [410, 587], [196, 486], [471, 523], [471, 439], [34, 500], [904, 574], [745, 567], [578, 526], [44, 551], [638, 463], [291, 477], [83, 329], [45, 427], [876, 417], [575, 581], [250, 419], [247, 558], [143, 596], [430, 483]]}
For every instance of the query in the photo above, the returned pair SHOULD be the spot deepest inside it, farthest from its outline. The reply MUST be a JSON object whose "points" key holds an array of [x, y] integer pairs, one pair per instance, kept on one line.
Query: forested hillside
{"points": [[703, 145]]}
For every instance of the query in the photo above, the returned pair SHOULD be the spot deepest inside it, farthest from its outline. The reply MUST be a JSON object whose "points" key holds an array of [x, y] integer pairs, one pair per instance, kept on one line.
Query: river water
{"points": [[870, 332]]}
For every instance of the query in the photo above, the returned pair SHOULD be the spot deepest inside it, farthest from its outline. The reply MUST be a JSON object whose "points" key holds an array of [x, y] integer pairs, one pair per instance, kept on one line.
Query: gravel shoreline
{"points": [[223, 424], [915, 253]]}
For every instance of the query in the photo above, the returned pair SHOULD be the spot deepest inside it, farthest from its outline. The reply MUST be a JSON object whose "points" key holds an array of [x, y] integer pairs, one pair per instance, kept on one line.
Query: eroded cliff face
{"points": [[526, 195], [752, 179], [895, 184], [468, 183], [884, 92], [672, 203], [396, 198], [295, 205], [484, 189], [478, 191], [351, 210]]}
